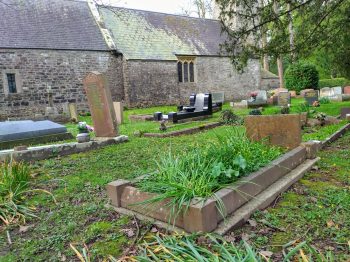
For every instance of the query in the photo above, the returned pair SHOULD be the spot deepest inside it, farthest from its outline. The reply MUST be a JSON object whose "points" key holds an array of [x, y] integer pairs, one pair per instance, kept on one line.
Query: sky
{"points": [[164, 6]]}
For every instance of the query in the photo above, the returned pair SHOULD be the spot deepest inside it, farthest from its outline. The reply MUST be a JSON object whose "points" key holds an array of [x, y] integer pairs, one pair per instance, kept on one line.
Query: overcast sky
{"points": [[164, 6]]}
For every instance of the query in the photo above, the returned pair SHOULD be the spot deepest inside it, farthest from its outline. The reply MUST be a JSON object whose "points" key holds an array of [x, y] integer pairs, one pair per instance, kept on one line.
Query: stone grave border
{"points": [[254, 192], [36, 140], [186, 131], [142, 118], [49, 151]]}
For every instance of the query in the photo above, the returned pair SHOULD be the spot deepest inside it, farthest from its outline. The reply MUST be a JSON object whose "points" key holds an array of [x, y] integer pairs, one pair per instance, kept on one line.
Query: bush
{"points": [[285, 110], [333, 82], [324, 100], [301, 76], [255, 112], [230, 118]]}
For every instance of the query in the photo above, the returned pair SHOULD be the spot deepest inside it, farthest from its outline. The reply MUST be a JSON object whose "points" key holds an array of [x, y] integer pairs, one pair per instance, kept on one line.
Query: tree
{"points": [[296, 29], [200, 8]]}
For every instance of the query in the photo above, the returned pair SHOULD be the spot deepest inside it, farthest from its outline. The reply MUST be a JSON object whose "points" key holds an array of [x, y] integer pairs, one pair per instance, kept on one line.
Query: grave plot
{"points": [[200, 189], [28, 132]]}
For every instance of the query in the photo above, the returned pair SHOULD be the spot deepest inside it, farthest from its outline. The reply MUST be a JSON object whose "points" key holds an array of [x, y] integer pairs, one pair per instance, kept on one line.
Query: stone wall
{"points": [[62, 70], [156, 82], [151, 83], [217, 74]]}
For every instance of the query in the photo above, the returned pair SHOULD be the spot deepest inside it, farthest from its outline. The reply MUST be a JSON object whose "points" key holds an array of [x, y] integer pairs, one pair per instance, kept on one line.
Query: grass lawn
{"points": [[80, 216]]}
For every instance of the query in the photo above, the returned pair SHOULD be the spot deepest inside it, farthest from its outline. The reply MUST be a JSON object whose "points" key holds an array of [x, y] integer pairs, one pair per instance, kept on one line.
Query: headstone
{"points": [[20, 130], [347, 90], [293, 94], [284, 98], [344, 111], [302, 92], [242, 104], [100, 104], [218, 97], [279, 130], [261, 99], [326, 92], [118, 109], [73, 112], [50, 110], [337, 90], [311, 97]]}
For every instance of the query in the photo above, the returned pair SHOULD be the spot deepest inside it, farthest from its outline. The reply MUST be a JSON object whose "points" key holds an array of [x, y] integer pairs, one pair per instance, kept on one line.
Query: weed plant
{"points": [[214, 248], [14, 189], [202, 172]]}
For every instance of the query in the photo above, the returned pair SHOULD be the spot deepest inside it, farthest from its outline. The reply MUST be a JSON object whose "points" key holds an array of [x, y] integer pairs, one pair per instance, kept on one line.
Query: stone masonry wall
{"points": [[151, 83], [156, 82], [62, 70], [217, 74]]}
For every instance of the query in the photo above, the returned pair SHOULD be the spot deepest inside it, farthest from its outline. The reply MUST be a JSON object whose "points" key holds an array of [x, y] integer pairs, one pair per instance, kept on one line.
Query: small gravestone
{"points": [[279, 130], [311, 97], [344, 111], [73, 112], [326, 92], [284, 98], [100, 104], [302, 92], [337, 90], [347, 90], [118, 109]]}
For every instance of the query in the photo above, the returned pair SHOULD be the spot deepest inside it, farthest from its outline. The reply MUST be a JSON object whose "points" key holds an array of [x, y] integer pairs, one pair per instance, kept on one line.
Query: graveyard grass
{"points": [[316, 209]]}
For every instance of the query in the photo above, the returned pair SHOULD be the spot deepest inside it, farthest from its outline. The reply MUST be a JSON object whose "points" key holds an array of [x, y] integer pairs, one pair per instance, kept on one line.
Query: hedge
{"points": [[333, 82], [301, 76]]}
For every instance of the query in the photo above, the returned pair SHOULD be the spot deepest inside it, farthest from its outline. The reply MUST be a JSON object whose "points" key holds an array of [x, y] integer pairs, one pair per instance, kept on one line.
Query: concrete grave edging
{"points": [[186, 131], [203, 215], [49, 151]]}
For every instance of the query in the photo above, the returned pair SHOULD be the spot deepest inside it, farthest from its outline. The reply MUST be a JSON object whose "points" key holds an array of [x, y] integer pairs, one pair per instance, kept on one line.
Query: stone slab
{"points": [[279, 130], [100, 104], [36, 140], [49, 151], [20, 130]]}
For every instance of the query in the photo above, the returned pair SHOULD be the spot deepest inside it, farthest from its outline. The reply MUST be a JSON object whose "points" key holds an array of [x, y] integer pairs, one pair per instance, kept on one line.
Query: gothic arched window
{"points": [[186, 69]]}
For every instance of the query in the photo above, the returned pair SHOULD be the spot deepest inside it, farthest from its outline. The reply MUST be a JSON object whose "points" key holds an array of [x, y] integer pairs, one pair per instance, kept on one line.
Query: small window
{"points": [[179, 71], [11, 80], [186, 69]]}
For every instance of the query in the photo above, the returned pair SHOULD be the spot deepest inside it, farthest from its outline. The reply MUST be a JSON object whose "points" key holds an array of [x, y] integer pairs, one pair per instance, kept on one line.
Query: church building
{"points": [[149, 58]]}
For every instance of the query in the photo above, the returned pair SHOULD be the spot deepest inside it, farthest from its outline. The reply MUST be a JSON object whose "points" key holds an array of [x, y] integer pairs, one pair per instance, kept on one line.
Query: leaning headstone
{"points": [[279, 130], [311, 97], [101, 105], [284, 98], [347, 90], [344, 111], [118, 109]]}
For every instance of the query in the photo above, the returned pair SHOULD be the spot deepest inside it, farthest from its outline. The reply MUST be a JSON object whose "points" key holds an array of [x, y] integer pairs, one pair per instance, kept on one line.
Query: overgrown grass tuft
{"points": [[201, 172], [14, 189], [214, 248]]}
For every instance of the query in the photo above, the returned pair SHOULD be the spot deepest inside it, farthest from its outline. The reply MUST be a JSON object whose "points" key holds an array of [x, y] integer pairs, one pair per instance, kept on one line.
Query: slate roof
{"points": [[150, 35], [49, 24]]}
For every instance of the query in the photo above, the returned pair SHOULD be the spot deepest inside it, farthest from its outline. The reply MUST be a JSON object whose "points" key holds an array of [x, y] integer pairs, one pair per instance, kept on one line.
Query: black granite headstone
{"points": [[311, 97]]}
